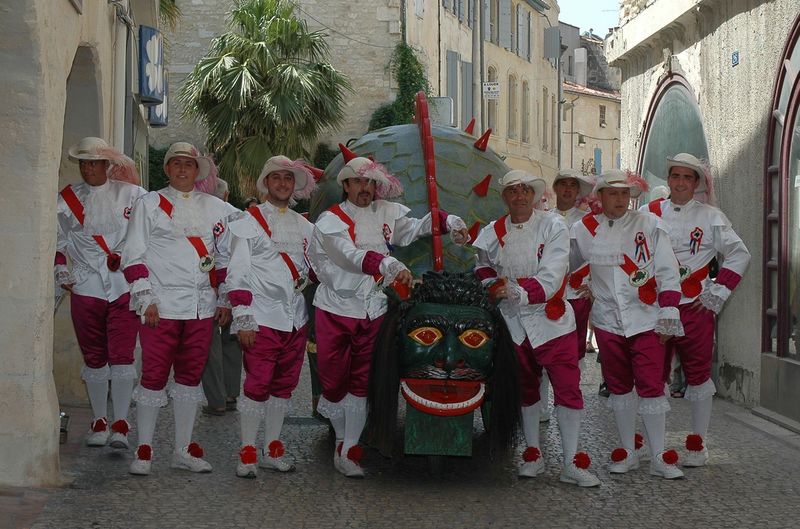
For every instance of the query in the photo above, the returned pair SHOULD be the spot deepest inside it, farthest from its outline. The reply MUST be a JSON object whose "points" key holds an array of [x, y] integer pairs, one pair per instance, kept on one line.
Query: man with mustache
{"points": [[523, 258], [698, 232], [92, 217], [350, 254], [169, 262]]}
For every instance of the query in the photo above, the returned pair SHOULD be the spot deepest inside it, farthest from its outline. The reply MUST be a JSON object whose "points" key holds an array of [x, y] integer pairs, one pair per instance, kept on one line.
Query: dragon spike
{"points": [[470, 128], [483, 141], [347, 153], [482, 187], [473, 231], [316, 171]]}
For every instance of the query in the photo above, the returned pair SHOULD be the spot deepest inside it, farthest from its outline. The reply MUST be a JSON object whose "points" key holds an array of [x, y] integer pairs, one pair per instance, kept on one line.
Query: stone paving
{"points": [[752, 482]]}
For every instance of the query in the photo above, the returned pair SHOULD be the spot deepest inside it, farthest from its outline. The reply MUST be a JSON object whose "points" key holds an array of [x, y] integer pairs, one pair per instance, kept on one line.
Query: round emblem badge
{"points": [[639, 277], [685, 271], [206, 263]]}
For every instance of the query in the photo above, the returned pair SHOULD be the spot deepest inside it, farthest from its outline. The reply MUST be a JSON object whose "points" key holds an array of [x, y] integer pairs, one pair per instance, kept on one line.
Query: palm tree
{"points": [[265, 87], [169, 13]]}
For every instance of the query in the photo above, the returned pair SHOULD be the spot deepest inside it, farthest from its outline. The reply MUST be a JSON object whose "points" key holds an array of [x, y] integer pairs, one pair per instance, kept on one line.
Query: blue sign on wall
{"points": [[152, 85], [598, 160], [157, 114]]}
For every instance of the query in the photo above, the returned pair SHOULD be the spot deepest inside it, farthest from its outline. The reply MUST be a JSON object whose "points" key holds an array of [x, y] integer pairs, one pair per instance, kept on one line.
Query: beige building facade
{"points": [[719, 79], [362, 36], [65, 76], [590, 129]]}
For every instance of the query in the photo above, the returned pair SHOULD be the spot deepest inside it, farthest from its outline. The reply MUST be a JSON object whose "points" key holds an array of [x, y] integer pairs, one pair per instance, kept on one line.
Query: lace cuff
{"points": [[331, 410], [454, 224], [141, 300], [123, 372], [100, 374], [223, 301], [702, 392], [149, 397], [64, 276], [714, 297], [653, 405], [627, 401], [669, 327], [389, 268], [248, 406], [517, 296], [244, 322], [183, 393]]}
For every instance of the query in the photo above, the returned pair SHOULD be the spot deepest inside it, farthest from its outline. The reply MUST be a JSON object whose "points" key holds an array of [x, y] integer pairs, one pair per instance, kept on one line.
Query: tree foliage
{"points": [[409, 72], [265, 87]]}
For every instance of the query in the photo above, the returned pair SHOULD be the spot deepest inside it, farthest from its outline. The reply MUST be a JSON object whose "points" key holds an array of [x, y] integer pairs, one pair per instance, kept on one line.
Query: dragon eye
{"points": [[426, 335], [473, 338]]}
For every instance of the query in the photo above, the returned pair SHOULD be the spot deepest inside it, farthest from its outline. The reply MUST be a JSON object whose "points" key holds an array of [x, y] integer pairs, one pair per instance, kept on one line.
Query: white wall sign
{"points": [[491, 90]]}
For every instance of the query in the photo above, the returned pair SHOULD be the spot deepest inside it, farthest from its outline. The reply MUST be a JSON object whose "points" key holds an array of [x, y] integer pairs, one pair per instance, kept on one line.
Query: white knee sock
{"points": [[185, 412], [625, 407], [146, 417], [654, 426], [251, 413], [355, 417], [274, 412], [530, 424], [97, 388], [544, 392], [701, 416], [121, 390], [569, 425]]}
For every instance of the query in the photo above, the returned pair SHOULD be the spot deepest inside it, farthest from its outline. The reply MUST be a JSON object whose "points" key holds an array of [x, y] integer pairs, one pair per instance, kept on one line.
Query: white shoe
{"points": [[349, 464], [281, 464], [532, 463], [623, 461], [119, 434], [696, 452], [578, 476], [140, 466], [184, 460], [246, 467], [337, 455], [246, 470], [695, 458], [659, 467], [98, 433]]}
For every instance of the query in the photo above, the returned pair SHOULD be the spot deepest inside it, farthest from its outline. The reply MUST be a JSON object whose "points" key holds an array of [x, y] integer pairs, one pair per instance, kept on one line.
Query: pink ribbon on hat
{"points": [[387, 185]]}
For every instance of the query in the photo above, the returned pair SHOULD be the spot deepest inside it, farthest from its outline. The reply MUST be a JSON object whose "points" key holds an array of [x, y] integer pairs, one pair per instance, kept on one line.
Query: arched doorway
{"points": [[780, 374], [673, 125], [81, 118]]}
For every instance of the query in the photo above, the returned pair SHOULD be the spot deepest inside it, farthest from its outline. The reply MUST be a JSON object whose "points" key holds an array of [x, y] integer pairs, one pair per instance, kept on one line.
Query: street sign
{"points": [[491, 90]]}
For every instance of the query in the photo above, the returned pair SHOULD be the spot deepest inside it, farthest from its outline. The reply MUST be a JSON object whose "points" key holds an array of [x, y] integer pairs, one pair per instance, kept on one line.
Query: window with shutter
{"points": [[504, 35]]}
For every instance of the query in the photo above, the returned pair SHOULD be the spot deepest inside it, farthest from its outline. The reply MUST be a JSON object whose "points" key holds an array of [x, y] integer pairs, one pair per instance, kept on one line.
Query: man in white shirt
{"points": [[350, 255], [267, 272], [92, 218], [698, 232], [169, 262], [524, 259], [636, 292]]}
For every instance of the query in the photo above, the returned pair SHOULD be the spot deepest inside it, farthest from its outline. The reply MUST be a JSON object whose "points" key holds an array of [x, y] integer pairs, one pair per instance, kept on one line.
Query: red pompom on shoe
{"points": [[144, 452], [638, 441], [670, 457], [120, 426], [531, 454], [248, 455], [276, 449], [582, 460], [355, 453], [619, 454], [694, 443], [195, 450], [100, 425], [555, 308]]}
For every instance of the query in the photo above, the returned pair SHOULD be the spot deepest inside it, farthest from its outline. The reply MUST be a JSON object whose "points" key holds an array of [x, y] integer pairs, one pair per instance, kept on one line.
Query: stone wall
{"points": [[361, 35], [735, 105]]}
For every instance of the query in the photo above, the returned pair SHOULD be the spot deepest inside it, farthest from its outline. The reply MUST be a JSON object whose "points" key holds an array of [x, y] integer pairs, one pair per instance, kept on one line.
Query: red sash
{"points": [[647, 292], [576, 278], [337, 210], [256, 213], [500, 230], [655, 206], [113, 260], [692, 285], [197, 242]]}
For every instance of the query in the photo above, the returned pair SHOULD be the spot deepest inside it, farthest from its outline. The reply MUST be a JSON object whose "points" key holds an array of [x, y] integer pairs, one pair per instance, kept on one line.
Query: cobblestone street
{"points": [[751, 482]]}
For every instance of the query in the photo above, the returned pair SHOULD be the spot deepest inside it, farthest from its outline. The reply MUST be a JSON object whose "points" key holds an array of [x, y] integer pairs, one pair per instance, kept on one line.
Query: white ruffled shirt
{"points": [[617, 308], [539, 249], [256, 265], [716, 236], [570, 217], [106, 211], [160, 243], [344, 289]]}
